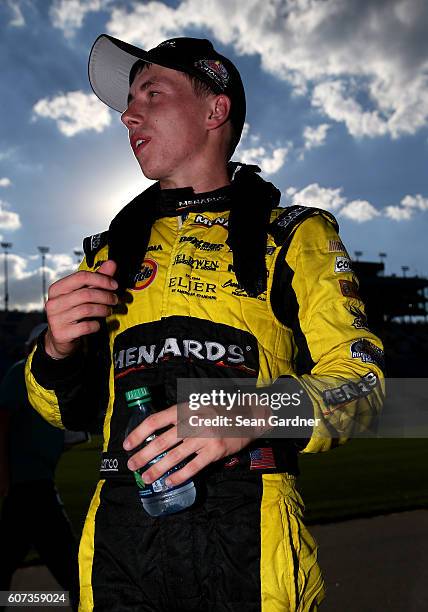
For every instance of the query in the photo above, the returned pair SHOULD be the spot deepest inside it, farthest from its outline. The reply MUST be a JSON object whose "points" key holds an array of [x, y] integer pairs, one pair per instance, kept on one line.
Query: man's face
{"points": [[167, 125]]}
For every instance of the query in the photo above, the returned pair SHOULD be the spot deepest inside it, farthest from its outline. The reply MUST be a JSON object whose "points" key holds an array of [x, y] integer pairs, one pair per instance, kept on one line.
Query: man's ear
{"points": [[218, 111]]}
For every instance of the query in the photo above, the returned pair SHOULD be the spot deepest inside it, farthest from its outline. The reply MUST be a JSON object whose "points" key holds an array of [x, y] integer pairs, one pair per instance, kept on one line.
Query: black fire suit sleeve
{"points": [[73, 392]]}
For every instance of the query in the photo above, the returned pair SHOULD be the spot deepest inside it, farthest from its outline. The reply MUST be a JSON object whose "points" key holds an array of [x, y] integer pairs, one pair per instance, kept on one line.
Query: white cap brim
{"points": [[108, 70]]}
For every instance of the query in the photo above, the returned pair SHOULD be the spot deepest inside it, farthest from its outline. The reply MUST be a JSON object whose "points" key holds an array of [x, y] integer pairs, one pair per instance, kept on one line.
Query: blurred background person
{"points": [[32, 513]]}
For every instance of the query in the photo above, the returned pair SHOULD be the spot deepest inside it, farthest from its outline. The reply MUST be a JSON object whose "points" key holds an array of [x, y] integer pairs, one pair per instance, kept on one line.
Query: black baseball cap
{"points": [[111, 60]]}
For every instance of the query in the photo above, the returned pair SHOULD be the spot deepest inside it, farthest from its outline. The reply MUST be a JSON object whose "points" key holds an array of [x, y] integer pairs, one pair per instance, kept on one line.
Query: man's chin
{"points": [[152, 176], [149, 173]]}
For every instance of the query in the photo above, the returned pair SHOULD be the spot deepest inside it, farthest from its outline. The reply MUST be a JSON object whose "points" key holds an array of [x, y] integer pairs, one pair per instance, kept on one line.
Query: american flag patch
{"points": [[262, 458]]}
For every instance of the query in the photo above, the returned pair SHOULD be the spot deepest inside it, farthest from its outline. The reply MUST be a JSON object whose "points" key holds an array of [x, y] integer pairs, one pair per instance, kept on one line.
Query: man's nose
{"points": [[131, 118]]}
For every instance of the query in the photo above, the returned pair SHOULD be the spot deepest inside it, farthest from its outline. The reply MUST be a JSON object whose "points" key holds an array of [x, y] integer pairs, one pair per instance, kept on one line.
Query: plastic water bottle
{"points": [[158, 498]]}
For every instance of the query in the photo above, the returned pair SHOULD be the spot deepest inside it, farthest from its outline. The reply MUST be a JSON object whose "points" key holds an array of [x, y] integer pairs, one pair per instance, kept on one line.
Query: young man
{"points": [[201, 275]]}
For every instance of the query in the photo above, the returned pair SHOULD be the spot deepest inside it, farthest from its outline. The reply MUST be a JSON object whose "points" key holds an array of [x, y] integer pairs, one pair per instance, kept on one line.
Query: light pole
{"points": [[357, 255], [405, 269], [382, 257], [6, 246], [43, 250]]}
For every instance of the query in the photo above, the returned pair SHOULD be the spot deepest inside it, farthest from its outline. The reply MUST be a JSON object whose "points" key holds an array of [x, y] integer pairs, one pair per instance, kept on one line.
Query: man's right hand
{"points": [[74, 303]]}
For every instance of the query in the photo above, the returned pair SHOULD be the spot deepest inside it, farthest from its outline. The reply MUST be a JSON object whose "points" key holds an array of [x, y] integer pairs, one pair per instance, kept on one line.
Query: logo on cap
{"points": [[215, 70], [167, 43]]}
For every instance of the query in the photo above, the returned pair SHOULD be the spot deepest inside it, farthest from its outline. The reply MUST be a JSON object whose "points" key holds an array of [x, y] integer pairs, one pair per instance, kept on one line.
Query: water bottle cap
{"points": [[140, 393]]}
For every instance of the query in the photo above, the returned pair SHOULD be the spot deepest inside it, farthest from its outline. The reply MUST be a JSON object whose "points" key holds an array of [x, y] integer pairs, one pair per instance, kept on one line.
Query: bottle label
{"points": [[159, 485]]}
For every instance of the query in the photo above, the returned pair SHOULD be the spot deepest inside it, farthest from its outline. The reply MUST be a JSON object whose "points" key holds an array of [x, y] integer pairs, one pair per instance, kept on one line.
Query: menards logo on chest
{"points": [[148, 354]]}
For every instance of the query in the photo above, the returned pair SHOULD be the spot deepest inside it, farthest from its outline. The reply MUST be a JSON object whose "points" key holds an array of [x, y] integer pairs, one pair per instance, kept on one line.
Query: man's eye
{"points": [[152, 94]]}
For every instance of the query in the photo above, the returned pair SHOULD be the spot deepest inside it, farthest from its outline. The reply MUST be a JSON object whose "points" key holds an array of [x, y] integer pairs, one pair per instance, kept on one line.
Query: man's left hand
{"points": [[207, 450]]}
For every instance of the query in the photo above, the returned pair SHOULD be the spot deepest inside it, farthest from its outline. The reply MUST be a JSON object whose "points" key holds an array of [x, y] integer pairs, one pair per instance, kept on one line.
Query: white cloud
{"points": [[245, 130], [74, 112], [397, 213], [17, 20], [150, 23], [339, 51], [5, 182], [407, 208], [333, 100], [360, 211], [269, 162], [68, 15], [9, 220], [318, 197], [60, 263], [25, 279], [315, 136], [332, 199], [417, 201], [268, 157]]}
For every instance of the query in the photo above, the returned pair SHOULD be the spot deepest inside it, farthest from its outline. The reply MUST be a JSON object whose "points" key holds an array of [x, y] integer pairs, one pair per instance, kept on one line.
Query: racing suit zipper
{"points": [[166, 290]]}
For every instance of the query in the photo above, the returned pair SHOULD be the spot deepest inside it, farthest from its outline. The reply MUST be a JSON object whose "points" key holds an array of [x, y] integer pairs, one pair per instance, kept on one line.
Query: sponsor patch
{"points": [[237, 290], [92, 244], [146, 275], [232, 462], [154, 247], [196, 343], [109, 465], [189, 204], [285, 219], [196, 264], [145, 356], [342, 264], [336, 246], [234, 285], [206, 222], [215, 70], [193, 287], [360, 321], [350, 391], [202, 244], [367, 352], [349, 289], [95, 241]]}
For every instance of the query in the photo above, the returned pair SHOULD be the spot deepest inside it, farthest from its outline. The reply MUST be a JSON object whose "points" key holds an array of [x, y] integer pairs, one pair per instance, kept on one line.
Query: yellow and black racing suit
{"points": [[244, 546]]}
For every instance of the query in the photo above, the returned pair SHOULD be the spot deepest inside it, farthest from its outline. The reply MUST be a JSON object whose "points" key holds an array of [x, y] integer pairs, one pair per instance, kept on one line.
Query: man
{"points": [[32, 514], [201, 275]]}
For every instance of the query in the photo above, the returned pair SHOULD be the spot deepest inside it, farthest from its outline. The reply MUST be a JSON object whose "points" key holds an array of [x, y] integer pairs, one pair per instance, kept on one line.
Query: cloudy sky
{"points": [[337, 118]]}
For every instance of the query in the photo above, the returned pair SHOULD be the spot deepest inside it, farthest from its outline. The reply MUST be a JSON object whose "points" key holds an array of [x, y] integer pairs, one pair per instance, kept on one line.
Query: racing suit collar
{"points": [[250, 200], [174, 202]]}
